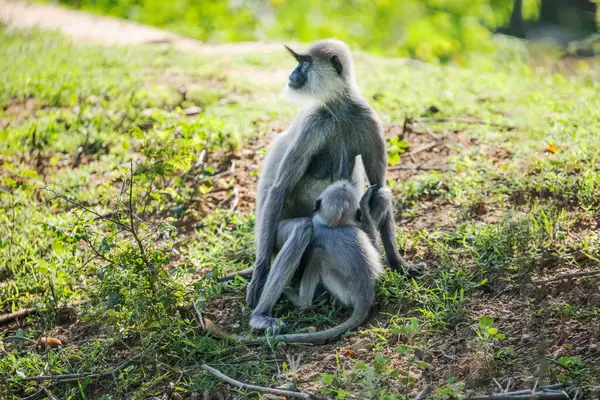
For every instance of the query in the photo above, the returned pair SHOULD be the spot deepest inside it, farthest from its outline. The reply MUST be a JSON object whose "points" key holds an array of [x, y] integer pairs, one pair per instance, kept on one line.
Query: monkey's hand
{"points": [[365, 201]]}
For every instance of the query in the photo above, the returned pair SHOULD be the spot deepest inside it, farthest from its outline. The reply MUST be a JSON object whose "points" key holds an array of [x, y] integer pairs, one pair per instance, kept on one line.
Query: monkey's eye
{"points": [[305, 64]]}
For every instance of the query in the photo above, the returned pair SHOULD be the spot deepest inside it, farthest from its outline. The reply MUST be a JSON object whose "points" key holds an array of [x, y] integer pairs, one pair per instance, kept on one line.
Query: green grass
{"points": [[75, 118]]}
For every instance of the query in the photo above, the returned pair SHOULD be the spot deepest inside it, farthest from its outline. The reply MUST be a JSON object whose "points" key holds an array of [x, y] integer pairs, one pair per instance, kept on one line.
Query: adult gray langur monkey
{"points": [[334, 126], [342, 255]]}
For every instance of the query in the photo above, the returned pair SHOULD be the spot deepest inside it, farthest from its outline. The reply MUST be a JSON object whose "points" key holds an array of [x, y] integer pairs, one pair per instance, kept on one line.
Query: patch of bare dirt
{"points": [[426, 150], [17, 111]]}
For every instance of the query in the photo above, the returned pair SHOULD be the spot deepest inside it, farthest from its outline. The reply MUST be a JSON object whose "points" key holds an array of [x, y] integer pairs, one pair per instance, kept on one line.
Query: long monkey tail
{"points": [[359, 315]]}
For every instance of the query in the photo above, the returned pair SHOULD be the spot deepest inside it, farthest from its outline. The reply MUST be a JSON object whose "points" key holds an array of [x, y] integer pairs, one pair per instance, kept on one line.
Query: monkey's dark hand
{"points": [[365, 201]]}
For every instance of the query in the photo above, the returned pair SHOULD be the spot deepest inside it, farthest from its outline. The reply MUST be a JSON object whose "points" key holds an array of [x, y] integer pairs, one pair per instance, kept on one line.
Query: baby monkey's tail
{"points": [[359, 315]]}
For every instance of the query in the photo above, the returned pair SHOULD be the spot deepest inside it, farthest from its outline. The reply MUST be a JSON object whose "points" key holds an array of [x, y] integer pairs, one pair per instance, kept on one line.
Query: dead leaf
{"points": [[50, 341], [349, 353]]}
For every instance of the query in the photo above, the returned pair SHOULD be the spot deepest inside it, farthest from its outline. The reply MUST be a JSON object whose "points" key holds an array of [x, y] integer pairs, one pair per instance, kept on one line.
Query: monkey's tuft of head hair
{"points": [[338, 205], [324, 72]]}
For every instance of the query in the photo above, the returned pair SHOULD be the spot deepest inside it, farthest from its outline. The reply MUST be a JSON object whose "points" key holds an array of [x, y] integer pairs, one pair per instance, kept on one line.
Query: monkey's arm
{"points": [[292, 167], [367, 223], [375, 162]]}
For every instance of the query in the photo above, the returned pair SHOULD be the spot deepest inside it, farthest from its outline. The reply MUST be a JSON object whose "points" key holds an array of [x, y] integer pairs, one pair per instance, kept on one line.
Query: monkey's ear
{"points": [[293, 53], [317, 205], [337, 64], [359, 215]]}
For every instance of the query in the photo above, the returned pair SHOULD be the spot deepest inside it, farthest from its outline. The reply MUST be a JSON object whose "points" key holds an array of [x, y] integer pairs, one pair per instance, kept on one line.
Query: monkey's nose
{"points": [[297, 79]]}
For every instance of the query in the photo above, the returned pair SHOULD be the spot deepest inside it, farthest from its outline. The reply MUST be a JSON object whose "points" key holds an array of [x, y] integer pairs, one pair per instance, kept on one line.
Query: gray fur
{"points": [[319, 147], [341, 256]]}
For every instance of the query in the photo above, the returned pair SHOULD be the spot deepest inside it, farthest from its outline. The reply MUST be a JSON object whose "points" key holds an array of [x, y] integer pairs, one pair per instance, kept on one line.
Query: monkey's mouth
{"points": [[296, 82], [297, 79]]}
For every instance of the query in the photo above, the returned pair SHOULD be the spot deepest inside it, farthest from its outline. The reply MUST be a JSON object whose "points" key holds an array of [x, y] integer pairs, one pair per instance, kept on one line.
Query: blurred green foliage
{"points": [[430, 30]]}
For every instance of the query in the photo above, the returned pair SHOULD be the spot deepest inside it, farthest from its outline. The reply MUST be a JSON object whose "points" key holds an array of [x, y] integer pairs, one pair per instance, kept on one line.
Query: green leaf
{"points": [[492, 331], [394, 158], [58, 247], [404, 350], [327, 379], [42, 267], [486, 321], [500, 336], [413, 327]]}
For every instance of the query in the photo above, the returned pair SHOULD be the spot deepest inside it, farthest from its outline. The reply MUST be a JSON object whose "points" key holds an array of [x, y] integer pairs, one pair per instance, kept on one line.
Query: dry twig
{"points": [[245, 273], [434, 136], [246, 386], [70, 377], [50, 396], [25, 312], [198, 315], [422, 148], [567, 276], [19, 338], [466, 121], [524, 395], [419, 167]]}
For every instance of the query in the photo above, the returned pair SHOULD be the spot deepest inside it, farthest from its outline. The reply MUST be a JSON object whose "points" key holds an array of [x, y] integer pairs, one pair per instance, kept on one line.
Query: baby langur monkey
{"points": [[342, 255]]}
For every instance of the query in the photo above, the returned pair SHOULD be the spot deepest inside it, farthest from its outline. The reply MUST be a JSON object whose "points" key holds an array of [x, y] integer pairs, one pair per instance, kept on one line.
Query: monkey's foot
{"points": [[272, 326], [411, 270], [414, 270]]}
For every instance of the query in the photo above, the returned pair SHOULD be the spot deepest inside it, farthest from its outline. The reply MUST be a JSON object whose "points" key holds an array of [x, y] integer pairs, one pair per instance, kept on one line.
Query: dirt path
{"points": [[89, 28]]}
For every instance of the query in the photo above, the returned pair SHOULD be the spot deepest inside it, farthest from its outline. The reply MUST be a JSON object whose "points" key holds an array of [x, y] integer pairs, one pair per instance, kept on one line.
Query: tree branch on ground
{"points": [[246, 386], [465, 121], [70, 377], [566, 276], [419, 167]]}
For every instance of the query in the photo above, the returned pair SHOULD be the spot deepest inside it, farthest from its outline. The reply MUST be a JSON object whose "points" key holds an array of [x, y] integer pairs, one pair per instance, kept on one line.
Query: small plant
{"points": [[486, 334], [395, 148]]}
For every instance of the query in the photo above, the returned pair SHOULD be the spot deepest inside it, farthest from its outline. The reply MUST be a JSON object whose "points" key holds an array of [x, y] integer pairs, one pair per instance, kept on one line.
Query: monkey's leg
{"points": [[382, 212], [311, 278], [293, 236]]}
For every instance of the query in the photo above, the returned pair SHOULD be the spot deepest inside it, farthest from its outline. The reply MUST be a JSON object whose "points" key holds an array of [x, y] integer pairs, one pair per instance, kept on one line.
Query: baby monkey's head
{"points": [[338, 205]]}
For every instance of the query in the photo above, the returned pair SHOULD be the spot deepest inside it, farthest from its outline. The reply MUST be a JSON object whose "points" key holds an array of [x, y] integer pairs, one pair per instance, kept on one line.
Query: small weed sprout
{"points": [[486, 334]]}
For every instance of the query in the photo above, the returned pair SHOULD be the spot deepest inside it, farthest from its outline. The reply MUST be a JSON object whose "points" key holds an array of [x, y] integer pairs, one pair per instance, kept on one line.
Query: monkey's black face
{"points": [[299, 76]]}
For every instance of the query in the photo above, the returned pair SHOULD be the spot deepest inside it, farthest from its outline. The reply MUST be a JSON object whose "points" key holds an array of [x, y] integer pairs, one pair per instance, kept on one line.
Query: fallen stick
{"points": [[435, 136], [422, 148], [50, 396], [36, 394], [25, 312], [198, 315], [218, 332], [566, 276], [419, 167], [68, 377], [19, 338], [245, 273], [466, 121], [246, 386], [524, 395]]}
